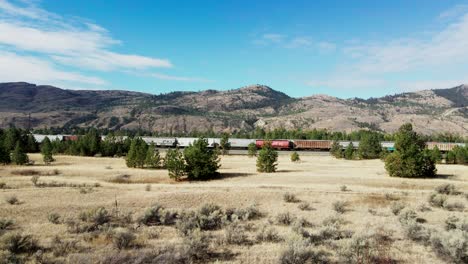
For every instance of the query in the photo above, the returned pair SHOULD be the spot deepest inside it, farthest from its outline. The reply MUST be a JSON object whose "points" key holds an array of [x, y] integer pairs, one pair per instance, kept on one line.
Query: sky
{"points": [[340, 48]]}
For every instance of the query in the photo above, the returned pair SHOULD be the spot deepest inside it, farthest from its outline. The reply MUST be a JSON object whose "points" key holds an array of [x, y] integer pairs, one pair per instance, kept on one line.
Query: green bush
{"points": [[19, 156], [157, 215], [202, 162], [123, 239], [410, 159], [267, 158], [295, 157], [336, 150], [252, 150], [369, 146], [153, 158], [19, 243], [46, 151], [175, 164], [137, 153], [349, 152]]}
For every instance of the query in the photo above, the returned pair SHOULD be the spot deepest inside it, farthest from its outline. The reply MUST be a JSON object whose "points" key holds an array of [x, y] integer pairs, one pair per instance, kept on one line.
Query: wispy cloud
{"points": [[293, 42], [34, 37], [454, 11], [178, 78]]}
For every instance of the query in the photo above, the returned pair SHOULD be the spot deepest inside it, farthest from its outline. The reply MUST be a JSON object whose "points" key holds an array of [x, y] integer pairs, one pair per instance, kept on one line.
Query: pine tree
{"points": [[410, 159], [349, 151], [224, 144], [436, 155], [137, 154], [267, 158], [11, 137], [153, 159], [4, 154], [19, 157], [46, 151], [31, 144], [369, 146], [252, 150], [175, 164], [202, 162], [336, 150]]}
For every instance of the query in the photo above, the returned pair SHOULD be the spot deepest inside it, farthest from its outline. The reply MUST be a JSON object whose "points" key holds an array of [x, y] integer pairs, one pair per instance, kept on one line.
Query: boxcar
{"points": [[40, 138], [240, 143], [160, 142], [185, 142], [312, 144], [277, 144], [443, 146], [389, 145], [344, 144]]}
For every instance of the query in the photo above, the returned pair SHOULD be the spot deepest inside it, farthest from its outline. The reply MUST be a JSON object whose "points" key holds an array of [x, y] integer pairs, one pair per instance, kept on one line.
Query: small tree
{"points": [[224, 144], [153, 159], [4, 155], [137, 154], [349, 151], [295, 157], [436, 155], [46, 151], [267, 158], [336, 150], [252, 150], [411, 158], [19, 157], [369, 146], [31, 144], [175, 164], [460, 154], [202, 163]]}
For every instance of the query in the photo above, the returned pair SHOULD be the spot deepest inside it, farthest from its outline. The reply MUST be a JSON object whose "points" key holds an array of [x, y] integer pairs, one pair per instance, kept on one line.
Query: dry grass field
{"points": [[338, 210]]}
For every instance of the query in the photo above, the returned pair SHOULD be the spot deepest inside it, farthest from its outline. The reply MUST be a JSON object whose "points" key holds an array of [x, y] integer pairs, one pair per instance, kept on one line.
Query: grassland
{"points": [[358, 193]]}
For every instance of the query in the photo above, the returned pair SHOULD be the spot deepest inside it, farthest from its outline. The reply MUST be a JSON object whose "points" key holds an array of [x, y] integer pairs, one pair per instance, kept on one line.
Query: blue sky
{"points": [[340, 48]]}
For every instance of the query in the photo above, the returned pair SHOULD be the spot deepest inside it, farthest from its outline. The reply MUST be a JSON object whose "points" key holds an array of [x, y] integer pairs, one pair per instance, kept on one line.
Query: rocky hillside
{"points": [[430, 111]]}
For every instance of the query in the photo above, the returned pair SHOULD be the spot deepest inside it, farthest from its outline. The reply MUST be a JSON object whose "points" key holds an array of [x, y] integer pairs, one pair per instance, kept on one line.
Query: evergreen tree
{"points": [[19, 157], [411, 158], [436, 155], [4, 154], [175, 164], [11, 137], [224, 144], [137, 154], [267, 158], [369, 146], [336, 150], [202, 163], [31, 144], [46, 151], [252, 150], [153, 159], [460, 154], [295, 157], [349, 151]]}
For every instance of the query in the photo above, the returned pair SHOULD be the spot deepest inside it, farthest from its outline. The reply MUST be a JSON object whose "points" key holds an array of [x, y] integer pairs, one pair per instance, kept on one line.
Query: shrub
{"points": [[344, 188], [18, 243], [153, 158], [208, 217], [201, 162], [295, 157], [454, 206], [267, 158], [407, 216], [397, 207], [285, 218], [122, 178], [6, 224], [249, 213], [369, 146], [451, 245], [12, 200], [336, 150], [299, 251], [340, 206], [61, 247], [304, 206], [349, 152], [235, 234], [391, 197], [416, 231], [54, 218], [19, 156], [290, 198], [148, 187], [410, 159], [122, 239], [370, 247], [437, 200], [452, 222], [268, 234], [252, 150], [157, 215], [448, 189], [423, 207], [46, 151], [197, 245], [175, 164], [98, 216]]}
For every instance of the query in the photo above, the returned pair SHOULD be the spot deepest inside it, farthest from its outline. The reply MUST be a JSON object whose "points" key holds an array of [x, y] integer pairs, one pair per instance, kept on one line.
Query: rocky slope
{"points": [[430, 111]]}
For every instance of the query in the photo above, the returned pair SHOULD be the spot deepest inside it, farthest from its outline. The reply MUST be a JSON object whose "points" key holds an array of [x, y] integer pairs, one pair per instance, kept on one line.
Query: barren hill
{"points": [[430, 111]]}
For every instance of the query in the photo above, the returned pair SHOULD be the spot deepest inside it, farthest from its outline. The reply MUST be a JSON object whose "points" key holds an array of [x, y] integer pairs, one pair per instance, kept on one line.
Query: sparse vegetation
{"points": [[304, 206], [252, 150], [340, 207], [290, 198], [12, 199]]}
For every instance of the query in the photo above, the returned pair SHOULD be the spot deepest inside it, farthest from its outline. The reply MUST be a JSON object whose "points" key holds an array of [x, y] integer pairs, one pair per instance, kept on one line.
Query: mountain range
{"points": [[41, 106]]}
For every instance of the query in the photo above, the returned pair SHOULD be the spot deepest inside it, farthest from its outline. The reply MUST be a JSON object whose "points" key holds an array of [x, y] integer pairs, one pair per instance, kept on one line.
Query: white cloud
{"points": [[352, 83], [15, 67], [299, 42], [273, 37], [326, 46], [177, 78], [454, 11]]}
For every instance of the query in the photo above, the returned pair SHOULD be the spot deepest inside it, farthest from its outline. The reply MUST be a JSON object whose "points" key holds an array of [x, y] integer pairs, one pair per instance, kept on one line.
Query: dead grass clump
{"points": [[406, 216], [28, 172], [451, 245], [208, 217], [12, 199], [123, 239], [6, 224], [424, 207], [290, 198], [18, 243], [196, 245], [304, 206], [454, 206], [416, 231], [437, 200], [299, 251], [268, 234], [371, 247], [54, 218], [4, 186], [235, 234], [158, 215], [148, 187], [372, 200], [447, 188], [391, 197], [285, 218], [88, 221], [55, 184], [122, 178], [344, 188], [340, 207], [60, 247]]}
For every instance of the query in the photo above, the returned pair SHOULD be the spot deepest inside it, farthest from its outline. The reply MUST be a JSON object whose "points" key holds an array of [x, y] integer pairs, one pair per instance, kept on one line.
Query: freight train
{"points": [[243, 143]]}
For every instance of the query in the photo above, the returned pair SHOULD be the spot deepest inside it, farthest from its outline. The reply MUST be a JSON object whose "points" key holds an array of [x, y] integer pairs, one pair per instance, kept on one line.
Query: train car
{"points": [[312, 144], [40, 138], [276, 144], [389, 145], [161, 142], [70, 138], [345, 144], [185, 141], [213, 142], [240, 143], [443, 146]]}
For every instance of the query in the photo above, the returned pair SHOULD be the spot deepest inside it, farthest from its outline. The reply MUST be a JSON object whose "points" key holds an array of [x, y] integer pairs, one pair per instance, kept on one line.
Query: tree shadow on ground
{"points": [[226, 175]]}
